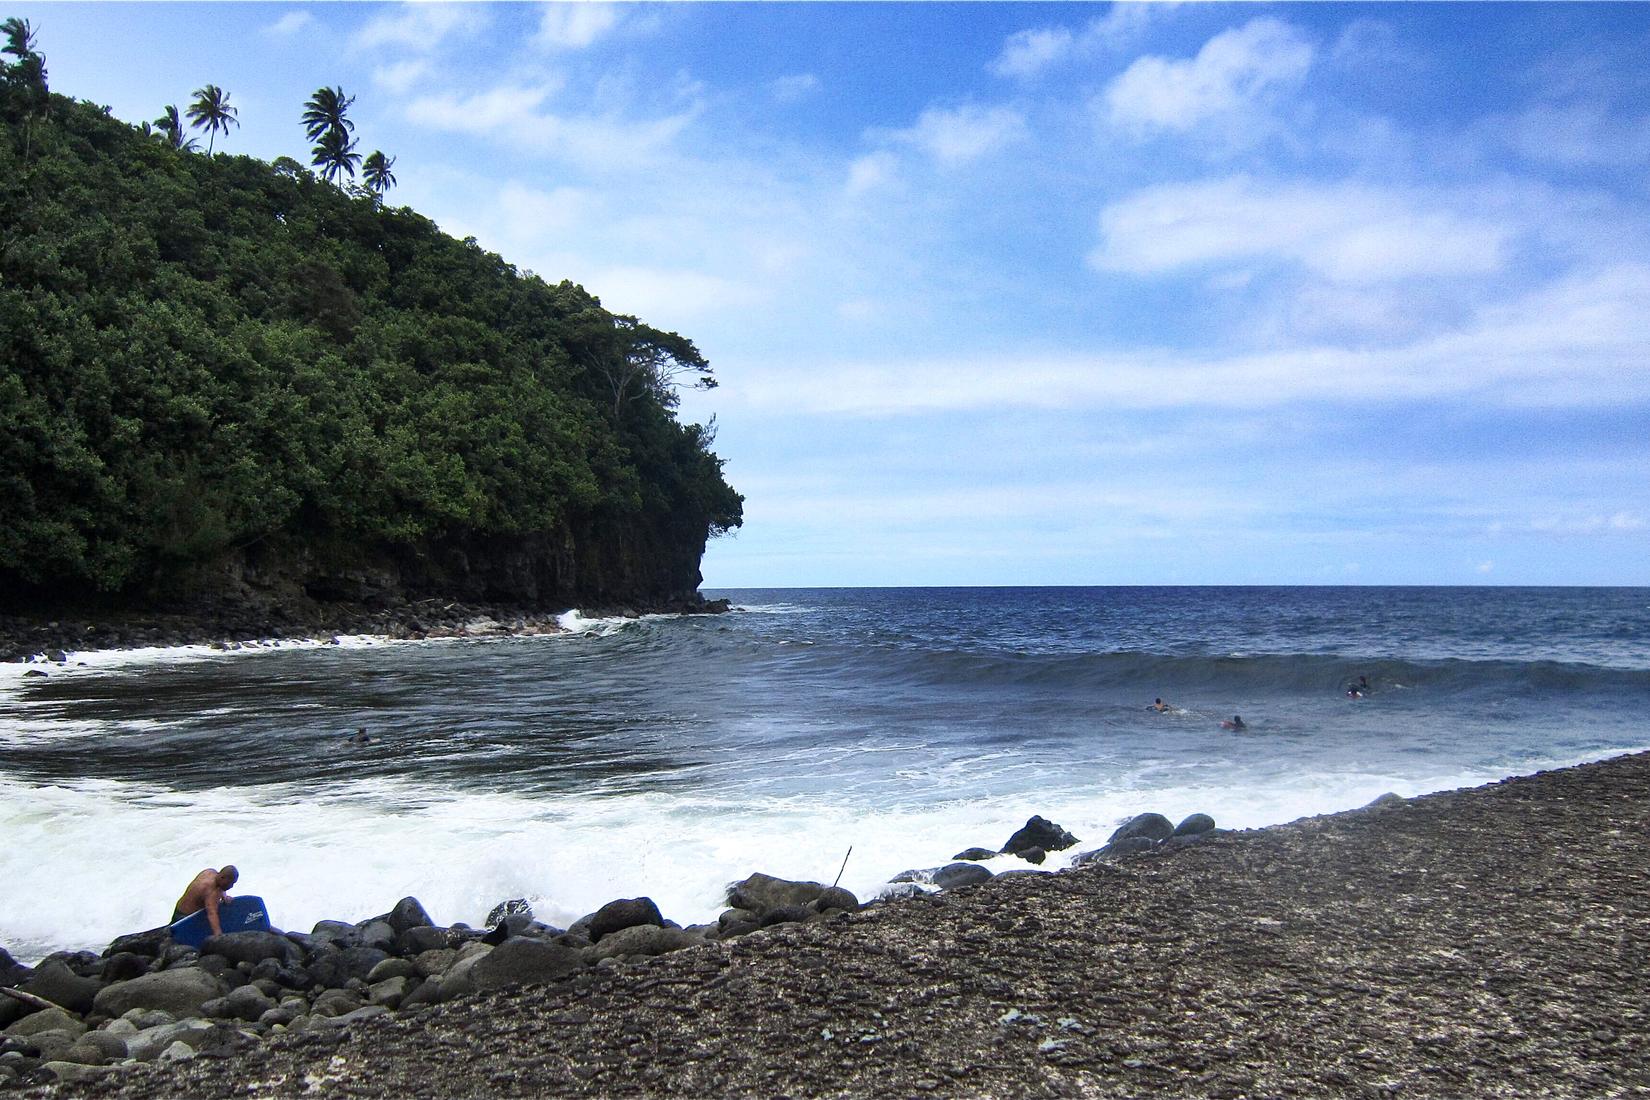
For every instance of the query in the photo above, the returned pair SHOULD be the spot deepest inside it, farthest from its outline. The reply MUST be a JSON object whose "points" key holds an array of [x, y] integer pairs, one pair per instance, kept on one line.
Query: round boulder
{"points": [[975, 855], [180, 992], [253, 948], [522, 961], [408, 913], [1151, 826], [54, 981], [513, 908], [1197, 823], [624, 913], [641, 939], [960, 874]]}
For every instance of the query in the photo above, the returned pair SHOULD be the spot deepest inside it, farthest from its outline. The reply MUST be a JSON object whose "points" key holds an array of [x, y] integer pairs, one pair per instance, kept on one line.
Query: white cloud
{"points": [[400, 76], [1581, 342], [528, 213], [290, 24], [1581, 136], [1344, 232], [1233, 71], [516, 114], [1027, 53], [420, 26], [789, 89], [956, 136], [669, 298], [871, 171], [576, 25]]}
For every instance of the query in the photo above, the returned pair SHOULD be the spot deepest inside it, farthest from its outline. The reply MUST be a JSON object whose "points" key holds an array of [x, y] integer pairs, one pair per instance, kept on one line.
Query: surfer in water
{"points": [[1234, 723], [1359, 689], [207, 892], [1160, 706]]}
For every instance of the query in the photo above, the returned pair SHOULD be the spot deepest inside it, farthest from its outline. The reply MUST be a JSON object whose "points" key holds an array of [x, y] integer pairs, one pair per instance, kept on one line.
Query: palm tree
{"points": [[19, 38], [170, 128], [325, 111], [375, 170], [27, 76], [335, 154], [211, 110]]}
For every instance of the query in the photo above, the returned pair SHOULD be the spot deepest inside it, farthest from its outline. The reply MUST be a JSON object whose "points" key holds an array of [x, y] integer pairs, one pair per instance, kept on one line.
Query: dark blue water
{"points": [[668, 755]]}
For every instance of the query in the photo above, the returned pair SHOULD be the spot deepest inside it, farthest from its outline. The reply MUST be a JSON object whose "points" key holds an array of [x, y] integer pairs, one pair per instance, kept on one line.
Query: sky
{"points": [[1031, 294]]}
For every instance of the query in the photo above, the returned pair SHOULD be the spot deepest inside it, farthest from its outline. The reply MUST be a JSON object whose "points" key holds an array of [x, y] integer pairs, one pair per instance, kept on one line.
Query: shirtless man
{"points": [[207, 892]]}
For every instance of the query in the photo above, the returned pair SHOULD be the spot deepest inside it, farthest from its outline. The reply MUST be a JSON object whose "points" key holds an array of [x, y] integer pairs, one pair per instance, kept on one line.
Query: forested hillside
{"points": [[221, 378]]}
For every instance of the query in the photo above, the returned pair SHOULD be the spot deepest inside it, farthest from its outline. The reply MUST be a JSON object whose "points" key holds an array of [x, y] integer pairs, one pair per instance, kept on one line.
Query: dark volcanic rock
{"points": [[974, 855], [522, 961], [253, 948], [1128, 846], [512, 908], [408, 913], [11, 971], [416, 941], [1150, 826], [624, 913], [57, 983], [1039, 832], [152, 943], [125, 966], [759, 893], [960, 874], [1032, 855], [1195, 824], [334, 970]]}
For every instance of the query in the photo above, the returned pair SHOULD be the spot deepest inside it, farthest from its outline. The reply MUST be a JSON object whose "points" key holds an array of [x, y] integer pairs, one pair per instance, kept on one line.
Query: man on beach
{"points": [[207, 892]]}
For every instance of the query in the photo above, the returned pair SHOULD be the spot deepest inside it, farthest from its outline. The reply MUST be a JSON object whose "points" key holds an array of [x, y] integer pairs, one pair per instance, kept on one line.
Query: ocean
{"points": [[668, 756]]}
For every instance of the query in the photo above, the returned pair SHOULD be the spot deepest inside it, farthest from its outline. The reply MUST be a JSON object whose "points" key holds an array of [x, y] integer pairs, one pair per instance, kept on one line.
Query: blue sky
{"points": [[1045, 293]]}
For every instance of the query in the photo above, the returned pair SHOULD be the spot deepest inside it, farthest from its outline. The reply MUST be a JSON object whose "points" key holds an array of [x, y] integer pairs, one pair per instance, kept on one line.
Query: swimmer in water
{"points": [[1160, 706], [1234, 723], [1359, 689], [359, 737]]}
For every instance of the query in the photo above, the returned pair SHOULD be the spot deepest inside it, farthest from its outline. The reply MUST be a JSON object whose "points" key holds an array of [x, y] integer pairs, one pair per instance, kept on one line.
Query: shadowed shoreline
{"points": [[1482, 942]]}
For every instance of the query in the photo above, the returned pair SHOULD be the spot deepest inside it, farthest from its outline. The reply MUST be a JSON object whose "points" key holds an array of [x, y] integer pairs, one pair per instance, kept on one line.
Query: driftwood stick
{"points": [[31, 999], [843, 868]]}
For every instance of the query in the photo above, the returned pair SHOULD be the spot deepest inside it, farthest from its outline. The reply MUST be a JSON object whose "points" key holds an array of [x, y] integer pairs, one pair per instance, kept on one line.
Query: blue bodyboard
{"points": [[242, 914]]}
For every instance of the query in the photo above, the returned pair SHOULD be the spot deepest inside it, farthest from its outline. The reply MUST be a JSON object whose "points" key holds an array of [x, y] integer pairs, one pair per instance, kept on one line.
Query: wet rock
{"points": [[377, 934], [253, 948], [336, 933], [515, 907], [125, 966], [392, 968], [1039, 832], [735, 916], [621, 914], [974, 855], [784, 914], [432, 963], [834, 897], [151, 944], [246, 1003], [390, 992], [1195, 825], [416, 941], [147, 1045], [287, 977], [1151, 826], [960, 874], [54, 981], [407, 914], [1032, 855], [334, 970], [761, 893], [11, 971], [1117, 849], [1386, 801], [66, 1072], [337, 1002]]}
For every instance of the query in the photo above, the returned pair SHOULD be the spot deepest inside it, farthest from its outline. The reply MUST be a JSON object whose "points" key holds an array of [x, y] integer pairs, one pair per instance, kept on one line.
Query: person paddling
{"points": [[1160, 706], [207, 892], [1234, 723]]}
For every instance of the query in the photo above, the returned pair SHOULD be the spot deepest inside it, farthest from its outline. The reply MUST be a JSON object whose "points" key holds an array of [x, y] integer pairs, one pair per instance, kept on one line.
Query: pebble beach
{"points": [[1482, 942]]}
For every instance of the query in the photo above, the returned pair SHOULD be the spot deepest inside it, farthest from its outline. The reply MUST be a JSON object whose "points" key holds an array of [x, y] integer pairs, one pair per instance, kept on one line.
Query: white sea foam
{"points": [[86, 861]]}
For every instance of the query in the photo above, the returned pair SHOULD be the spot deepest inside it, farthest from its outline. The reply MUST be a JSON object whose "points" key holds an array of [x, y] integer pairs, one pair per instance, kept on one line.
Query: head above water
{"points": [[228, 876]]}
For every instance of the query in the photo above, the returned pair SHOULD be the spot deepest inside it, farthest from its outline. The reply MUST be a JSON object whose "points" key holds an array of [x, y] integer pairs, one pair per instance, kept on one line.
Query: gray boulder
{"points": [[337, 1002], [391, 991], [784, 914], [377, 934], [47, 1019], [641, 939], [54, 981], [335, 969], [52, 1044], [974, 855], [124, 966], [96, 1048], [1195, 825], [759, 893], [960, 874], [253, 948], [1117, 849], [391, 968], [65, 1072], [416, 941], [522, 961], [148, 1044], [1032, 855], [336, 933], [621, 914], [180, 992], [246, 1003], [1039, 832], [1150, 826]]}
